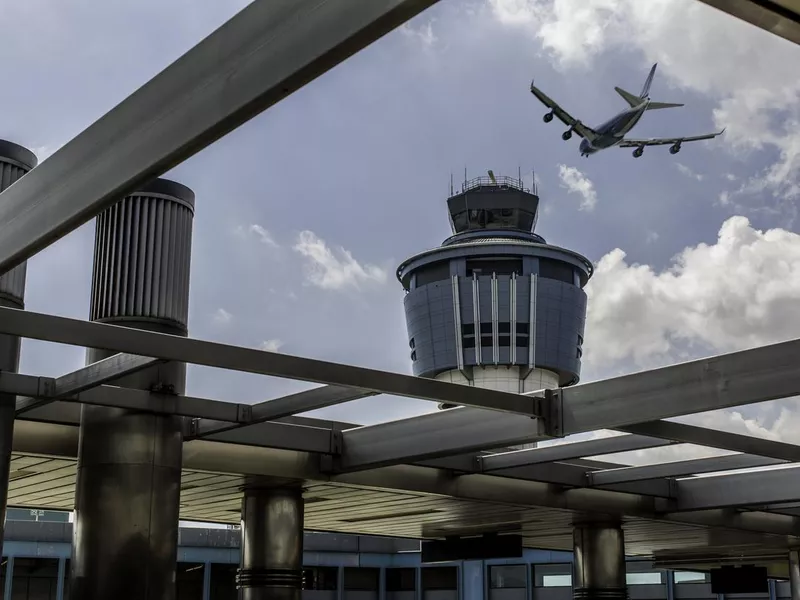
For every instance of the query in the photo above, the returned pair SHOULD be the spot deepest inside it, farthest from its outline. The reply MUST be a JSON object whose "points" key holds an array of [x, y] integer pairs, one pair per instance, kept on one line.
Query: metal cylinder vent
{"points": [[143, 256], [15, 161]]}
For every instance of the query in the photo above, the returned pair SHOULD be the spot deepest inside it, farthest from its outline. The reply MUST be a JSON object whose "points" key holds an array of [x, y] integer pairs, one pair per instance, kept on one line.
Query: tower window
{"points": [[553, 269]]}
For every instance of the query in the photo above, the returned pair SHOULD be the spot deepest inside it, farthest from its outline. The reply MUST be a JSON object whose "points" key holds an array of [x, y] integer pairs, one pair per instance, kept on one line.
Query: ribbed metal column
{"points": [[599, 561], [794, 573], [15, 161], [125, 539], [272, 543]]}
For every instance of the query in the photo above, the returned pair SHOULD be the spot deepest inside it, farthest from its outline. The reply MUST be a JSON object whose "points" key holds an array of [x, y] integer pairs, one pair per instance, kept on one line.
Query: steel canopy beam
{"points": [[88, 377], [270, 410], [758, 488], [445, 433], [775, 17], [260, 56], [680, 468], [212, 354], [745, 377], [559, 452], [713, 438]]}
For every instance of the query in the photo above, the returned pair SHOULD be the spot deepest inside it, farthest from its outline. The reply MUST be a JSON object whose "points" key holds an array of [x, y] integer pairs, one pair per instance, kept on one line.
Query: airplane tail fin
{"points": [[657, 105], [631, 99], [648, 82]]}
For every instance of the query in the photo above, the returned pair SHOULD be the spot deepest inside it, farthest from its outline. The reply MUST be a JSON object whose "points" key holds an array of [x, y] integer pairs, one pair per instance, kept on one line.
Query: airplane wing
{"points": [[633, 143], [563, 116]]}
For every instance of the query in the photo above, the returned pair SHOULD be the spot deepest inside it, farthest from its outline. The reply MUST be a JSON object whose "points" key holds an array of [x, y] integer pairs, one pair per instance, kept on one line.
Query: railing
{"points": [[501, 181]]}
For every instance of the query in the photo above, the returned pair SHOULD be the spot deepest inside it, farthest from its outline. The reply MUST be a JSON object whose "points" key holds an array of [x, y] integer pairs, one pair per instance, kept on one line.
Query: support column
{"points": [[794, 573], [15, 161], [125, 539], [272, 543], [599, 561]]}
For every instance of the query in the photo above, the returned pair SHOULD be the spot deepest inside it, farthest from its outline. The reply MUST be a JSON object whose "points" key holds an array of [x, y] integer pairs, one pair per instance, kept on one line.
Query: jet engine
{"points": [[566, 135], [638, 152], [548, 117], [675, 148]]}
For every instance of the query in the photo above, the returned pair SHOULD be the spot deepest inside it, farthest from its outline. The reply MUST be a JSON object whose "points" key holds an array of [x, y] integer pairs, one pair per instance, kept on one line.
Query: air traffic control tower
{"points": [[495, 306]]}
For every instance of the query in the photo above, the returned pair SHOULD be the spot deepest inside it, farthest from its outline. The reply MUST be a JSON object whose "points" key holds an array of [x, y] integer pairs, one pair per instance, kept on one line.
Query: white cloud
{"points": [[749, 72], [577, 183], [222, 317], [423, 34], [688, 172], [272, 345], [334, 270], [740, 292], [261, 234], [652, 237]]}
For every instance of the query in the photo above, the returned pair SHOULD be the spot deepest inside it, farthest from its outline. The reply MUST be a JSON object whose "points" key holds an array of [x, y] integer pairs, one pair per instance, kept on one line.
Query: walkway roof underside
{"points": [[426, 476]]}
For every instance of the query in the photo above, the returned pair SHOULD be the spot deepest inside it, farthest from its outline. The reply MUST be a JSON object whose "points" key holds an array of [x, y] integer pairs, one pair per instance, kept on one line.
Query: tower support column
{"points": [[125, 539], [599, 561], [15, 161], [272, 542], [794, 573]]}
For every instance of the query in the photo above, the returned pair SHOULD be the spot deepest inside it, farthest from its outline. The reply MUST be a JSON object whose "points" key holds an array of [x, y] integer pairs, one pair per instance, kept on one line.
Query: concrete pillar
{"points": [[272, 543], [125, 539], [599, 561], [794, 573], [15, 161]]}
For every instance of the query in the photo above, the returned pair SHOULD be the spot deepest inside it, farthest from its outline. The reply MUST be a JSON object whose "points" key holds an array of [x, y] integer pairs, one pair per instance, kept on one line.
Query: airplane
{"points": [[612, 132]]}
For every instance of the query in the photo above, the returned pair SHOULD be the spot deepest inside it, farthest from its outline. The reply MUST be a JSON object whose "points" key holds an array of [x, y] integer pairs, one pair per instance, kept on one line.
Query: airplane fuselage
{"points": [[613, 131]]}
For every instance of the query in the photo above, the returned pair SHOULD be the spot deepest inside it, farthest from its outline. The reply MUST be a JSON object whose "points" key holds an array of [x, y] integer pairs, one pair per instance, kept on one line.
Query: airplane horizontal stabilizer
{"points": [[631, 99], [657, 105]]}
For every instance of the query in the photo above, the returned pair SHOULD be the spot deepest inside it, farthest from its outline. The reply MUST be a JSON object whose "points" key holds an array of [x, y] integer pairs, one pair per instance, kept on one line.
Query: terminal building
{"points": [[36, 563]]}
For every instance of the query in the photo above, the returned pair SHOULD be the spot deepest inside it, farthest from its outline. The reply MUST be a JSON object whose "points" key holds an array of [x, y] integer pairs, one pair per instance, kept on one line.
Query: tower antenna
{"points": [[451, 183]]}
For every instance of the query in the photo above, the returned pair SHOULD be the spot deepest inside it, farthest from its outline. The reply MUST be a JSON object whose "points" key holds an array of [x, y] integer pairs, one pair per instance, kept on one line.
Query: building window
{"points": [[643, 573], [691, 577], [554, 269], [557, 575], [320, 578], [507, 576], [361, 579], [401, 580], [647, 578], [439, 578]]}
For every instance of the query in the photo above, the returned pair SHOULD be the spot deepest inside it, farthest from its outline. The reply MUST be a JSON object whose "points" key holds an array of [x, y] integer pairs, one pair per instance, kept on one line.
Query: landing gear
{"points": [[638, 152], [675, 148], [566, 135], [548, 117]]}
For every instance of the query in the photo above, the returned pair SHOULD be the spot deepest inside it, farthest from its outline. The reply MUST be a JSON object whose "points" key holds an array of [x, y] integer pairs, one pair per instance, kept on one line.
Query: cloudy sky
{"points": [[303, 213]]}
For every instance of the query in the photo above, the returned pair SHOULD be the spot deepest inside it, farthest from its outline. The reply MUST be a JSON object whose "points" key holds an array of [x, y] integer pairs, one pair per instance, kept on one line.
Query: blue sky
{"points": [[303, 213]]}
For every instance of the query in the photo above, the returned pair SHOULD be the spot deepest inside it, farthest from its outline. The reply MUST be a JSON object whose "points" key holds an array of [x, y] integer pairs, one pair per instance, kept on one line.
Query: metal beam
{"points": [[89, 376], [448, 432], [680, 468], [560, 452], [713, 438], [170, 347], [260, 56], [745, 377], [758, 488], [775, 17], [280, 436], [305, 401]]}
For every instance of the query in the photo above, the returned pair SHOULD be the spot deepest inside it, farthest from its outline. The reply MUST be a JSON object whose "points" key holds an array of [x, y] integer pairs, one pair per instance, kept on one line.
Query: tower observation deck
{"points": [[496, 306]]}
